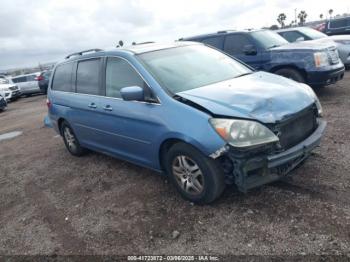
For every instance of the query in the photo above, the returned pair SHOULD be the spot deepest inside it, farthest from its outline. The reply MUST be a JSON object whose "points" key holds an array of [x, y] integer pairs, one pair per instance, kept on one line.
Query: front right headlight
{"points": [[243, 133], [313, 95], [321, 59]]}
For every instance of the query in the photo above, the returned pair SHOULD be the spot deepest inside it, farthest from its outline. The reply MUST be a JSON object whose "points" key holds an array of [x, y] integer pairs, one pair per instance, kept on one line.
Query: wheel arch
{"points": [[167, 143], [289, 66]]}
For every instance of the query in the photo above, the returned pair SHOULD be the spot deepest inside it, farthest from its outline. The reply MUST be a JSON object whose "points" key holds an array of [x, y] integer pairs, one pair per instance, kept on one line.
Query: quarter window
{"points": [[234, 44], [88, 76], [216, 42], [62, 80], [339, 23], [119, 74]]}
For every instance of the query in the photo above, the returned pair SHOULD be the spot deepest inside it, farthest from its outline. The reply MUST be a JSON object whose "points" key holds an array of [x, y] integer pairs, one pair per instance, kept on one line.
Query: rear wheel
{"points": [[291, 74], [197, 177], [71, 141]]}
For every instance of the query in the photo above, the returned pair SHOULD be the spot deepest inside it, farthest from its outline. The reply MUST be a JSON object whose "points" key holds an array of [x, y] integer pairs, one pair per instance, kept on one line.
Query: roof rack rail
{"points": [[82, 52], [143, 43], [225, 31]]}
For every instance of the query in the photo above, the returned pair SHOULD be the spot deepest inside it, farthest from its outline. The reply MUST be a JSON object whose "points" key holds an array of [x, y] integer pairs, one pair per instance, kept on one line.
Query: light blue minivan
{"points": [[186, 110]]}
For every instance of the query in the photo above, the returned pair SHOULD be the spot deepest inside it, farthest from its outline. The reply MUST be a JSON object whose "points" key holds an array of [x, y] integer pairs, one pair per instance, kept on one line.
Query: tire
{"points": [[204, 183], [70, 140], [291, 74]]}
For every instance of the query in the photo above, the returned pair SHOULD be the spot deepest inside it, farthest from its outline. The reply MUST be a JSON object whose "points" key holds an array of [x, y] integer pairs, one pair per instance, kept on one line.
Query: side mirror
{"points": [[300, 39], [132, 93], [249, 50]]}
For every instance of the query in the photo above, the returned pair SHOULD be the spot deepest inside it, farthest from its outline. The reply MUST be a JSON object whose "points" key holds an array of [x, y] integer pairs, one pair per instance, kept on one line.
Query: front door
{"points": [[130, 127]]}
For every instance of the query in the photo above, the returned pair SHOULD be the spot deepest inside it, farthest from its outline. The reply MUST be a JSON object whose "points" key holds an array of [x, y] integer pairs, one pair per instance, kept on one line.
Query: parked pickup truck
{"points": [[316, 65]]}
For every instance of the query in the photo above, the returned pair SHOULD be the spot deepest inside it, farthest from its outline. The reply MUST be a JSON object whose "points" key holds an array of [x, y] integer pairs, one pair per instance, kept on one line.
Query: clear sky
{"points": [[36, 31]]}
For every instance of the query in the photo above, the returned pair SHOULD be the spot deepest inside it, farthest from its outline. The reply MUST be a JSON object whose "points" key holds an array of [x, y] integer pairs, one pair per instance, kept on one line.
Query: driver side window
{"points": [[119, 74]]}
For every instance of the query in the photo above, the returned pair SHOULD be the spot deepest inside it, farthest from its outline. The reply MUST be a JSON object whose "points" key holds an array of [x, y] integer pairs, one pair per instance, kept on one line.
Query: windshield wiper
{"points": [[244, 74], [273, 46]]}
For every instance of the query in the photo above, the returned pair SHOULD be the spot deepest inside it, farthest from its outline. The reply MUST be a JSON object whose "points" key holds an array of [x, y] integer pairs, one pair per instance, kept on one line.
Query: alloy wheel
{"points": [[188, 175]]}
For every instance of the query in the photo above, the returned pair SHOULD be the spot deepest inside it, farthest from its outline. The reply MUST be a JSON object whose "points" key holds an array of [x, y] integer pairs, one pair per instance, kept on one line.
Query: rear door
{"points": [[32, 84], [85, 115], [129, 126], [235, 45]]}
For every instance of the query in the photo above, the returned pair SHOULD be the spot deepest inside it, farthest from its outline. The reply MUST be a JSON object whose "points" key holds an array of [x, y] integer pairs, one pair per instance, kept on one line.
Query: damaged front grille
{"points": [[297, 128]]}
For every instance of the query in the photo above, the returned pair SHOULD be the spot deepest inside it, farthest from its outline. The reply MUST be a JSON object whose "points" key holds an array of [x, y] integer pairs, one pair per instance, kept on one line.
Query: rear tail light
{"points": [[48, 103], [39, 78]]}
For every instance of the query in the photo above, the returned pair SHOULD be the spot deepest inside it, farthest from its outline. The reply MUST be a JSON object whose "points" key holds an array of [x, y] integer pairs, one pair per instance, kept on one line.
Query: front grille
{"points": [[298, 128], [333, 56], [12, 88]]}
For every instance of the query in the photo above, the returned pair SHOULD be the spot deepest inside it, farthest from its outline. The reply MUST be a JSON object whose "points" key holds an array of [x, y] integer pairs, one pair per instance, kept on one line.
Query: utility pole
{"points": [[295, 16]]}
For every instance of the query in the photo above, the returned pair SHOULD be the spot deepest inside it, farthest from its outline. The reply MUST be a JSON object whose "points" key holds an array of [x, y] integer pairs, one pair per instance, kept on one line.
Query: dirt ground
{"points": [[54, 203]]}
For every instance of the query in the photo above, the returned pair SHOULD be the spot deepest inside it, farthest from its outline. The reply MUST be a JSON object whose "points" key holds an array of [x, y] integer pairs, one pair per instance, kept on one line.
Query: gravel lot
{"points": [[54, 203]]}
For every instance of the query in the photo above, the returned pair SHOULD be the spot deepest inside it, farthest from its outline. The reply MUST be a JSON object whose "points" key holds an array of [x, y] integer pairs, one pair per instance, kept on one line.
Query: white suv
{"points": [[8, 89]]}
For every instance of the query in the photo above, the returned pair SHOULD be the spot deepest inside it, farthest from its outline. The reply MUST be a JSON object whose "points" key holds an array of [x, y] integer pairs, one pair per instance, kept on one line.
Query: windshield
{"points": [[269, 39], [188, 67], [312, 33]]}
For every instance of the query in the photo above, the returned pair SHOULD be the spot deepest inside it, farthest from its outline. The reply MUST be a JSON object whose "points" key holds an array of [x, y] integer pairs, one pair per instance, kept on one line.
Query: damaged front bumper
{"points": [[249, 170]]}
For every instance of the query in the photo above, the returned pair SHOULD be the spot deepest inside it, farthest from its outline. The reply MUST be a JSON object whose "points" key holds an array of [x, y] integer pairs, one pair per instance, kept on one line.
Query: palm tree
{"points": [[330, 12], [321, 16], [281, 18], [302, 17]]}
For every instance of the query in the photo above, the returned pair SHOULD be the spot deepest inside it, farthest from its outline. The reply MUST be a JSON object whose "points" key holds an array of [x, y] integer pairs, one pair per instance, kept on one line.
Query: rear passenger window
{"points": [[19, 79], [234, 44], [216, 42], [62, 80], [291, 36], [119, 74], [30, 78], [88, 76]]}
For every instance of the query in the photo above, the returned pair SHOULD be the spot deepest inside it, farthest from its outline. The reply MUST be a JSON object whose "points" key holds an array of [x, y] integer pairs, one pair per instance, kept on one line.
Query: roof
{"points": [[149, 47], [291, 28], [34, 73], [224, 32], [133, 49]]}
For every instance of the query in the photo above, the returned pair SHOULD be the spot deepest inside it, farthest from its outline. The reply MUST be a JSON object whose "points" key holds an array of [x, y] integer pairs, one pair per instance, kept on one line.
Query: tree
{"points": [[302, 17], [330, 12], [274, 27], [321, 16], [281, 18]]}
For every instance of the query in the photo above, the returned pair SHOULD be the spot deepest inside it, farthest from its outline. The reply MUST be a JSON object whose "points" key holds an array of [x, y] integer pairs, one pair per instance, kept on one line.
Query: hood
{"points": [[262, 96], [4, 86], [315, 45]]}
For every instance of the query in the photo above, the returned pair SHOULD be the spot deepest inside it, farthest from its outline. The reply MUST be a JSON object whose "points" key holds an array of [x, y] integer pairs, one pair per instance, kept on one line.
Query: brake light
{"points": [[48, 103], [39, 78]]}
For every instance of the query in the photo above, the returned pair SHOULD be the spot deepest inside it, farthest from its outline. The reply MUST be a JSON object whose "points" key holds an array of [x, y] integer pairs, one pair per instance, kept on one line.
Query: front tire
{"points": [[197, 177], [71, 141], [291, 74]]}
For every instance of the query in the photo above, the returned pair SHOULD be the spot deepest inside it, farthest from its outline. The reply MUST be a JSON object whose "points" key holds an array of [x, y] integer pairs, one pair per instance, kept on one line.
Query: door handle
{"points": [[92, 105], [108, 108]]}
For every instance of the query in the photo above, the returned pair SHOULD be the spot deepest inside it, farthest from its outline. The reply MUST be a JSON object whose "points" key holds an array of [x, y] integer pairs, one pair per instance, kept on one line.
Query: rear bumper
{"points": [[325, 77], [263, 169]]}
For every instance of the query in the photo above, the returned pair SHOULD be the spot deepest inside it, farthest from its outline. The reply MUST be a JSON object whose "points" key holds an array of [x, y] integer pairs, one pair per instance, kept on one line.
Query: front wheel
{"points": [[71, 141], [291, 74], [197, 177]]}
